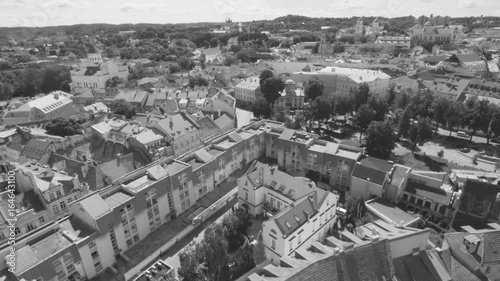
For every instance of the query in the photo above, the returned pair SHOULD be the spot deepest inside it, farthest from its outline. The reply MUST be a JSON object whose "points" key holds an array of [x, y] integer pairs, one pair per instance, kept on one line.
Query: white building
{"points": [[248, 90], [55, 104], [299, 212], [91, 76]]}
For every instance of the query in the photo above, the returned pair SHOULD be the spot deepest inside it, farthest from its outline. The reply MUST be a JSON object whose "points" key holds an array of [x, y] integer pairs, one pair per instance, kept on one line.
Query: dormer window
{"points": [[297, 218], [288, 225]]}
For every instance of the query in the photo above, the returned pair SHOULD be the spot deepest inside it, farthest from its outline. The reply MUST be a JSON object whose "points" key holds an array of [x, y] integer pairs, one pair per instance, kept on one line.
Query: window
{"points": [[55, 209], [58, 194], [70, 200], [41, 219], [63, 205], [246, 196], [17, 231], [273, 244], [52, 197]]}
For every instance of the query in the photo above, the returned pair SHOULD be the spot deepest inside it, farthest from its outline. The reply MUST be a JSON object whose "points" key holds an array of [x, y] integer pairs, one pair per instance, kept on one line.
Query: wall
{"points": [[364, 188], [404, 246]]}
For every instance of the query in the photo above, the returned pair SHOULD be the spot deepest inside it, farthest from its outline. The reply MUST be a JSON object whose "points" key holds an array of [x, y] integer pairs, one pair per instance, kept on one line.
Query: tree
{"points": [[404, 123], [420, 131], [439, 107], [379, 107], [54, 77], [265, 74], [317, 110], [364, 116], [113, 82], [197, 81], [453, 116], [261, 108], [390, 96], [361, 95], [379, 139], [229, 60], [243, 56], [315, 48], [477, 115], [314, 88], [272, 88], [62, 127], [174, 68], [214, 42], [185, 63], [236, 226], [122, 107]]}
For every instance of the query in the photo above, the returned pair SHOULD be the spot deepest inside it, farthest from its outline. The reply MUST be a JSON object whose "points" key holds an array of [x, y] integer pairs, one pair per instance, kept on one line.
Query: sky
{"points": [[36, 13]]}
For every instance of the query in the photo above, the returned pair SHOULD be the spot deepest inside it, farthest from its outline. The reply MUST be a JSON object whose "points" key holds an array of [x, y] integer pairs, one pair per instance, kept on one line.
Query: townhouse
{"points": [[248, 90], [42, 195], [299, 212]]}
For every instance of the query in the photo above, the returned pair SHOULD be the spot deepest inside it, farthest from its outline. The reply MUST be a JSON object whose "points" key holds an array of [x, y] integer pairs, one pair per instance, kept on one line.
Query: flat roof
{"points": [[117, 199], [75, 230]]}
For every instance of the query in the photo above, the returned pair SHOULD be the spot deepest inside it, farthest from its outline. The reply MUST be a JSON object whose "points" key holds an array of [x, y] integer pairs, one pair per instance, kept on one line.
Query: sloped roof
{"points": [[294, 215], [95, 206], [488, 251], [35, 148], [223, 121], [117, 168], [468, 57], [177, 125]]}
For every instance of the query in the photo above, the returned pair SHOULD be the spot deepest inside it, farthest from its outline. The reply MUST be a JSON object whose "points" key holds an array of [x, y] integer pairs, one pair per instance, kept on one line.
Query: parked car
{"points": [[462, 134]]}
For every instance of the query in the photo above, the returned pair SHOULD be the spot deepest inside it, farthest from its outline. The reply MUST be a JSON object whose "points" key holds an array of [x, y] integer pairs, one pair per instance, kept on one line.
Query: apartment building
{"points": [[375, 251], [104, 224], [303, 154], [299, 212], [42, 195], [248, 90]]}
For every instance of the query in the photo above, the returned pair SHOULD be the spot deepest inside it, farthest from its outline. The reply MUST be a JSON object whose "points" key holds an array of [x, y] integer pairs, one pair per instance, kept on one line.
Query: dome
{"points": [[289, 82]]}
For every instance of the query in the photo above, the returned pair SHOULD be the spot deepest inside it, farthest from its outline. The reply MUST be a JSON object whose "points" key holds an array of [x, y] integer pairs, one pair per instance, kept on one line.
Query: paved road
{"points": [[475, 139]]}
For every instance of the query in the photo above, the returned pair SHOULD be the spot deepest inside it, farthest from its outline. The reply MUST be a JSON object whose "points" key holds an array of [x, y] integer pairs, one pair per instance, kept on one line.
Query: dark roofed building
{"points": [[38, 150]]}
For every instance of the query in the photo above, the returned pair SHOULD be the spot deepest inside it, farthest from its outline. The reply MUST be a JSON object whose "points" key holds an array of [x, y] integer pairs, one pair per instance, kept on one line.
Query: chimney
{"points": [[56, 95], [119, 157], [336, 251], [374, 238], [272, 170]]}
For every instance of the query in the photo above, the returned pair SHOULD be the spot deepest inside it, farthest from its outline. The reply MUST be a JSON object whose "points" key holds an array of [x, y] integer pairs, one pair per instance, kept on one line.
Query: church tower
{"points": [[93, 54], [359, 27]]}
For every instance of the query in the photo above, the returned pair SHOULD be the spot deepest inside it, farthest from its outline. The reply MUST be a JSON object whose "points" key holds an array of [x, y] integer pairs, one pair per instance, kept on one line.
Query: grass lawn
{"points": [[426, 162]]}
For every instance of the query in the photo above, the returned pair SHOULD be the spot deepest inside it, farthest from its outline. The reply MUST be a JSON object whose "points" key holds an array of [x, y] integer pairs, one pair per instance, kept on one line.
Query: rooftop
{"points": [[95, 206], [390, 213]]}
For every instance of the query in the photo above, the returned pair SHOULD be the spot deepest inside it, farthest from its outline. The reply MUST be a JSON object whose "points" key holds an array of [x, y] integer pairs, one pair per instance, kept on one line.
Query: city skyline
{"points": [[30, 13]]}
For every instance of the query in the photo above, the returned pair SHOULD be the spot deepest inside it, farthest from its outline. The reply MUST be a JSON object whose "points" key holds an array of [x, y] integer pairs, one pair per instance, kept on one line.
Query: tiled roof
{"points": [[117, 168], [207, 127], [177, 125], [376, 163], [35, 148], [488, 250], [418, 267], [369, 174], [223, 121], [460, 273], [413, 185], [468, 58], [294, 215]]}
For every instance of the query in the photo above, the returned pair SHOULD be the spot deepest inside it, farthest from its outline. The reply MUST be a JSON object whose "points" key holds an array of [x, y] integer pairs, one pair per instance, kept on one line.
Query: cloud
{"points": [[427, 1], [467, 4], [136, 8], [12, 3]]}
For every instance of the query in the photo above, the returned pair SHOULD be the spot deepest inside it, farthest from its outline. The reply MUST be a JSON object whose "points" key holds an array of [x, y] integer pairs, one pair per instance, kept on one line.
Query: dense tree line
{"points": [[33, 80]]}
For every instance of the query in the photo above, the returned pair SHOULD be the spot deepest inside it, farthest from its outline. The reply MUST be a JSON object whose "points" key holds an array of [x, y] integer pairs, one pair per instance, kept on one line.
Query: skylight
{"points": [[297, 218], [288, 224]]}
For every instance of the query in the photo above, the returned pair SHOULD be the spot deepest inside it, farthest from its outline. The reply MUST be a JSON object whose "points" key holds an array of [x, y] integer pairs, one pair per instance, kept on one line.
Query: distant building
{"points": [[291, 97], [435, 34], [248, 90], [93, 75], [345, 80], [55, 104]]}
